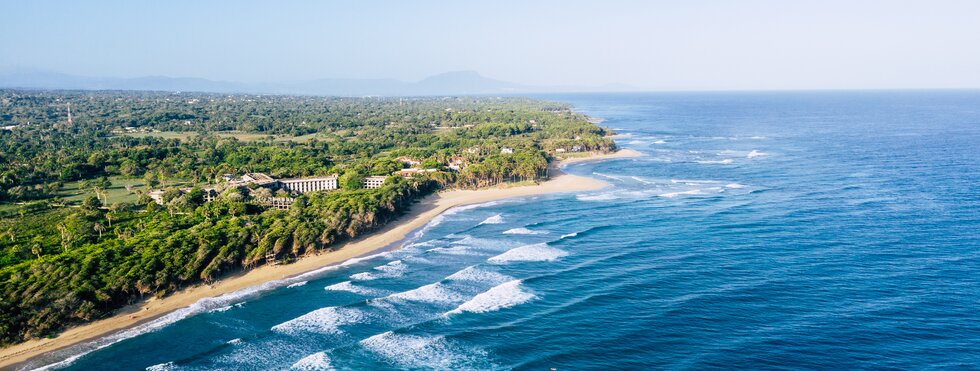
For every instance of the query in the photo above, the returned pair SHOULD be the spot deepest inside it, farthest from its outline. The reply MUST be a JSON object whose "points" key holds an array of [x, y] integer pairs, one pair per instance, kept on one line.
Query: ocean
{"points": [[792, 230]]}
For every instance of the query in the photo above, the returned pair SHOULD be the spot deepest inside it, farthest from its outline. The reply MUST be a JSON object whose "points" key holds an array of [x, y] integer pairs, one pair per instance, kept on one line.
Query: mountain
{"points": [[450, 83]]}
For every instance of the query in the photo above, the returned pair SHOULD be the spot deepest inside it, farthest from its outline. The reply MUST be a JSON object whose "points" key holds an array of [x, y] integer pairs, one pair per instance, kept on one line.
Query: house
{"points": [[576, 148], [409, 161], [506, 150], [457, 163], [374, 181]]}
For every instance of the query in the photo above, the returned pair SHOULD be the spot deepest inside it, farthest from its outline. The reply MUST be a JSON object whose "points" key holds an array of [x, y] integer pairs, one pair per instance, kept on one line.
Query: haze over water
{"points": [[761, 230]]}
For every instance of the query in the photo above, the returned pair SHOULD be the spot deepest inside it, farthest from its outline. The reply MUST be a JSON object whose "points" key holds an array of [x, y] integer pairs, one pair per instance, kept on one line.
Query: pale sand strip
{"points": [[418, 216]]}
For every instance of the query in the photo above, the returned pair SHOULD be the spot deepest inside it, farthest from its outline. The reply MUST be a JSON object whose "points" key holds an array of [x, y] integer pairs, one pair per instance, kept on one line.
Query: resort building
{"points": [[374, 181], [409, 161], [306, 185], [407, 173]]}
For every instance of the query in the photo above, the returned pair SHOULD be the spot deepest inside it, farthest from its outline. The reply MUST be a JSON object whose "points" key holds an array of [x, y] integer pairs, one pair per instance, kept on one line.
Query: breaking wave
{"points": [[529, 253], [429, 352], [496, 219], [316, 361], [523, 231], [323, 320], [504, 295]]}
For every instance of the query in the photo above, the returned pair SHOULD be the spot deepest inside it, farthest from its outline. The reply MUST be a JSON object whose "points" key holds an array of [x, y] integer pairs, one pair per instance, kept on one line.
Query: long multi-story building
{"points": [[374, 181], [306, 185]]}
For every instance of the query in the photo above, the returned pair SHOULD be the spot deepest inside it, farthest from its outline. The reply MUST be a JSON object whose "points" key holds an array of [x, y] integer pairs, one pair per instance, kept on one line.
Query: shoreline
{"points": [[383, 239]]}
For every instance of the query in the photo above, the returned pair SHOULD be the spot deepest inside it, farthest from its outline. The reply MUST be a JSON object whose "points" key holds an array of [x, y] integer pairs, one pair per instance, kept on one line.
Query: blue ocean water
{"points": [[824, 230]]}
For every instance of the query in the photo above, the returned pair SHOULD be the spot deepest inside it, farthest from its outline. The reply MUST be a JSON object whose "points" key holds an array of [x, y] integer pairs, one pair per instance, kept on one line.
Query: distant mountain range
{"points": [[450, 83]]}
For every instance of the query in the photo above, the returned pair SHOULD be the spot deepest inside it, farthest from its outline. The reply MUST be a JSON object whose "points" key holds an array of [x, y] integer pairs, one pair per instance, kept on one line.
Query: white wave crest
{"points": [[726, 161], [431, 293], [573, 234], [454, 250], [297, 284], [349, 287], [412, 351], [691, 192], [323, 320], [659, 141], [597, 197], [496, 219], [394, 268], [756, 153], [734, 186], [162, 367], [523, 231], [219, 310], [234, 341], [505, 295], [474, 274], [530, 253], [313, 362]]}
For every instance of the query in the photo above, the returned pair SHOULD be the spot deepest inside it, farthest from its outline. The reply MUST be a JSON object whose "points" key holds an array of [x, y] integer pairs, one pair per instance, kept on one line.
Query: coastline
{"points": [[418, 216]]}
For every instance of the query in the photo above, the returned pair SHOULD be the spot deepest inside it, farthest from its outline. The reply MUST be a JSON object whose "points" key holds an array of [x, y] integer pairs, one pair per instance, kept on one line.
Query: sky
{"points": [[650, 45]]}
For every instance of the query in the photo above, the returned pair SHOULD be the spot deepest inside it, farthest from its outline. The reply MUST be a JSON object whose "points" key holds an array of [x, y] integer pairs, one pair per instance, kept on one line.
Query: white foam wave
{"points": [[474, 274], [313, 362], [529, 253], [323, 320], [297, 284], [573, 234], [726, 161], [394, 268], [219, 310], [734, 186], [350, 287], [431, 293], [162, 367], [435, 352], [234, 341], [505, 295], [523, 231], [681, 193], [660, 141], [454, 250], [596, 197], [756, 153], [496, 219]]}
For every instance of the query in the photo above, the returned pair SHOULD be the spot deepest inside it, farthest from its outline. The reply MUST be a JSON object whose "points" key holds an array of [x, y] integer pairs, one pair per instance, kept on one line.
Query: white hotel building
{"points": [[306, 185]]}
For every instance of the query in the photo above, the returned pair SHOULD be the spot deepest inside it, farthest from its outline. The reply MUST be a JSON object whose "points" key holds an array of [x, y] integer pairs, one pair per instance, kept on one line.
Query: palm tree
{"points": [[108, 217], [99, 228]]}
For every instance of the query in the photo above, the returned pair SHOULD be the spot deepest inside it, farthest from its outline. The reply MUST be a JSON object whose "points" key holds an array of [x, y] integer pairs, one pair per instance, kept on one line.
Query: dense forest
{"points": [[66, 261]]}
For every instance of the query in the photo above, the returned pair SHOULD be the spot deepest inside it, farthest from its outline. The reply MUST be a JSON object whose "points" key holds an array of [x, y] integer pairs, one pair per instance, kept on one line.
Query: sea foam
{"points": [[504, 295], [323, 320], [496, 219], [475, 274], [313, 362], [431, 293], [523, 231], [529, 253], [429, 352], [349, 287]]}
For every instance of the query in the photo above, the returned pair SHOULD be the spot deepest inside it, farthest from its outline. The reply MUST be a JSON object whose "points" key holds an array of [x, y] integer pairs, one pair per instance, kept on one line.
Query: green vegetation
{"points": [[79, 237]]}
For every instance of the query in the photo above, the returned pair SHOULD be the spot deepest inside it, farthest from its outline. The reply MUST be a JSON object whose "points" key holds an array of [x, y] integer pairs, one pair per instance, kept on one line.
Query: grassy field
{"points": [[116, 193], [245, 137]]}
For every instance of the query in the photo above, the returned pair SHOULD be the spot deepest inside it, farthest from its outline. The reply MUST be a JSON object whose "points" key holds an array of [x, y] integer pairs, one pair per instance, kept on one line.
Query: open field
{"points": [[242, 136]]}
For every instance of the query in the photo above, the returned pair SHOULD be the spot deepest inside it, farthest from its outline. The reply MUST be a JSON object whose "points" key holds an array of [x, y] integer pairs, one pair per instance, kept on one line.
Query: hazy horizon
{"points": [[652, 46]]}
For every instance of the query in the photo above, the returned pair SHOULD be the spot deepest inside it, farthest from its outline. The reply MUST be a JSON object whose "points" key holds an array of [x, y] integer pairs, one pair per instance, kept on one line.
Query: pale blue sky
{"points": [[656, 45]]}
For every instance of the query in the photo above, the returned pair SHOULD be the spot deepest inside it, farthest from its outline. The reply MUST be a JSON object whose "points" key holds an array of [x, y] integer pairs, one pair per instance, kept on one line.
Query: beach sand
{"points": [[417, 217]]}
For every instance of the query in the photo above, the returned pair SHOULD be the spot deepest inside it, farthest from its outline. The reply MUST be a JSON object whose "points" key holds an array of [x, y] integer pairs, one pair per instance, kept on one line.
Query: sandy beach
{"points": [[419, 215]]}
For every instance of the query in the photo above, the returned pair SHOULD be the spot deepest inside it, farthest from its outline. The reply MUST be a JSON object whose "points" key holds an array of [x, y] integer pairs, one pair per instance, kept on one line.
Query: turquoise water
{"points": [[760, 230]]}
